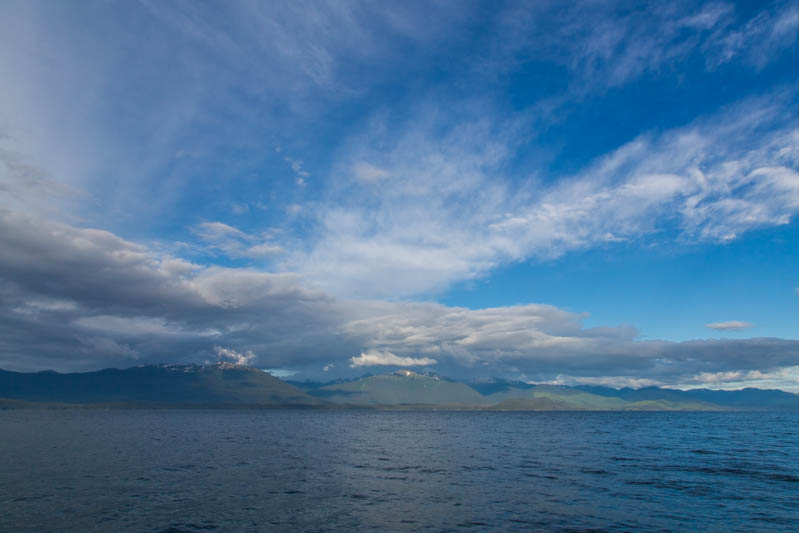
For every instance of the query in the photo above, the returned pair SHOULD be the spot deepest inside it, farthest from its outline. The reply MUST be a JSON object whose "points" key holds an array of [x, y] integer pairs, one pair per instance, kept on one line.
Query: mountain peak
{"points": [[213, 384], [200, 367], [411, 374]]}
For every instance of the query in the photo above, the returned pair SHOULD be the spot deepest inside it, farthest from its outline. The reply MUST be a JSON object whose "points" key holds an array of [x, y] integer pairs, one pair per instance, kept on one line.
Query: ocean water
{"points": [[294, 470]]}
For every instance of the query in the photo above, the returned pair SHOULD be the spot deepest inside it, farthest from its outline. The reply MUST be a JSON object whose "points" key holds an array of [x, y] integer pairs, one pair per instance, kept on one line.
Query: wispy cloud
{"points": [[84, 109], [609, 44], [368, 173], [301, 174], [782, 378], [616, 382], [731, 325], [758, 40], [446, 210], [234, 242]]}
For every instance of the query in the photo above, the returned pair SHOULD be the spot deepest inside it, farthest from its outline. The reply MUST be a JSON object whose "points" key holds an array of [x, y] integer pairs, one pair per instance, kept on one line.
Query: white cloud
{"points": [[368, 173], [94, 300], [297, 168], [232, 356], [234, 242], [447, 210], [240, 209], [616, 382], [606, 44], [218, 232], [786, 378], [61, 100], [527, 334], [262, 250], [236, 71], [384, 358], [759, 40], [281, 373], [731, 325]]}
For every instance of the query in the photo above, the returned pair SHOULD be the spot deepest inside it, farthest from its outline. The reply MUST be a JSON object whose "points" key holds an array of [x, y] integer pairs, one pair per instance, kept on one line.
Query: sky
{"points": [[561, 192]]}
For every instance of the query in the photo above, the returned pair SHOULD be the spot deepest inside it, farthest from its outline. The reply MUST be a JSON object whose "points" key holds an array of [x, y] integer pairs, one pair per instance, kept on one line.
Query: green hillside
{"points": [[404, 388], [577, 399], [400, 388], [226, 385], [221, 384], [553, 397]]}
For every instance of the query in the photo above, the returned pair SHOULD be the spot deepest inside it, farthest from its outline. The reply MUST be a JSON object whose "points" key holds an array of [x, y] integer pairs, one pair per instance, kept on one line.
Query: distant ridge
{"points": [[219, 384], [744, 398], [229, 385], [408, 388], [402, 387], [496, 385]]}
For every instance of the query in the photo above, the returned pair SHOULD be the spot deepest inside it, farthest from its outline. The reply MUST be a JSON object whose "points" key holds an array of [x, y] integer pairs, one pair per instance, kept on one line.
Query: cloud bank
{"points": [[75, 299], [384, 358]]}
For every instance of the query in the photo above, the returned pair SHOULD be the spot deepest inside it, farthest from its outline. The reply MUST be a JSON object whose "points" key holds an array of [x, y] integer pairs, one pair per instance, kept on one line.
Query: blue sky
{"points": [[546, 191], [668, 292]]}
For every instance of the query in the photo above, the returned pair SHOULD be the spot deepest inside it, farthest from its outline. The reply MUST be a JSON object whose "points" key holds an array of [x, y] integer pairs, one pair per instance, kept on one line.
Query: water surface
{"points": [[282, 470]]}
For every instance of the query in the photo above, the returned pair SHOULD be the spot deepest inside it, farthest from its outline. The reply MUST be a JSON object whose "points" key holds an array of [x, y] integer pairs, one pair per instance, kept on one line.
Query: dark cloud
{"points": [[75, 299]]}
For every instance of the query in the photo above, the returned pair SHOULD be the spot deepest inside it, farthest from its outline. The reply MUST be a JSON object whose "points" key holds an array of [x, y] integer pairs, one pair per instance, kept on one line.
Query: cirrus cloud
{"points": [[446, 211]]}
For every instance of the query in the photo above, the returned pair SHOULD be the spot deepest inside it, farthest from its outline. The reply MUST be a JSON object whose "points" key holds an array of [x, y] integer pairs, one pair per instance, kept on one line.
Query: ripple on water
{"points": [[197, 471]]}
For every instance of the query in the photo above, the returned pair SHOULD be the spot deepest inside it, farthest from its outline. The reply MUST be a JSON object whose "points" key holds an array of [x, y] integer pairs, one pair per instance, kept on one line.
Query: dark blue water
{"points": [[356, 470]]}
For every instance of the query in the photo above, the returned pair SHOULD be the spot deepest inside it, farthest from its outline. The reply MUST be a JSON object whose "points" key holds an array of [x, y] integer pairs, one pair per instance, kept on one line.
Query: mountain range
{"points": [[228, 385], [181, 385]]}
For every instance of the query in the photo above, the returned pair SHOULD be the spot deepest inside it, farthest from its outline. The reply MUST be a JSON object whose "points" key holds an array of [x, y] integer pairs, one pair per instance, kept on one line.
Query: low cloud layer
{"points": [[731, 325], [385, 358], [227, 355], [79, 299]]}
